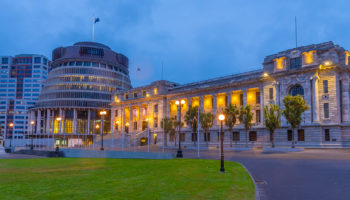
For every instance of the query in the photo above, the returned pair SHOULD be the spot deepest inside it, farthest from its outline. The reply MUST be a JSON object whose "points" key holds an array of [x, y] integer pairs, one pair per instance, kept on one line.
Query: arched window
{"points": [[296, 90]]}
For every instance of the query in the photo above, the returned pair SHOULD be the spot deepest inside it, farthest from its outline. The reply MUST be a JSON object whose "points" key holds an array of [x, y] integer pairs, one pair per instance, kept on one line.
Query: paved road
{"points": [[309, 175]]}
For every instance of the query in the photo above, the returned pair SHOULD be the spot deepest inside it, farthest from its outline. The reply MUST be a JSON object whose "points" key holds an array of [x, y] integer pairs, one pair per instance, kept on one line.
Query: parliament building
{"points": [[318, 72]]}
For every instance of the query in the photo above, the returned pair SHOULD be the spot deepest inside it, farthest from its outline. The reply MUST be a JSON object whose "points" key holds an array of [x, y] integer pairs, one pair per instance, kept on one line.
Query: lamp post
{"points": [[179, 106], [32, 123], [11, 128], [103, 113], [222, 118]]}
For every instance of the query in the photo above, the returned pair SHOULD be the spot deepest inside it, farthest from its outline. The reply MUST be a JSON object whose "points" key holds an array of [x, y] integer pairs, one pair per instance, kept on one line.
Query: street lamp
{"points": [[103, 113], [32, 124], [11, 125], [179, 106], [222, 118]]}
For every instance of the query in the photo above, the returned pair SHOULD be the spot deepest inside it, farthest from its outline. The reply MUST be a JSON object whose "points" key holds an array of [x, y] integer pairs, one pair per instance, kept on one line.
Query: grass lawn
{"points": [[84, 178]]}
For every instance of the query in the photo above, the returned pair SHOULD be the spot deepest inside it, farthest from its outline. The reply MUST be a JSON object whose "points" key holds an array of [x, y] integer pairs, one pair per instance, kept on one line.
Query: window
{"points": [[301, 135], [116, 113], [289, 135], [257, 99], [155, 124], [172, 137], [235, 136], [326, 110], [135, 94], [252, 136], [325, 86], [327, 136], [257, 116], [37, 60], [144, 93], [295, 63], [207, 137], [126, 96], [241, 99], [156, 108], [271, 93], [182, 137], [194, 137], [4, 60], [45, 61], [296, 90]]}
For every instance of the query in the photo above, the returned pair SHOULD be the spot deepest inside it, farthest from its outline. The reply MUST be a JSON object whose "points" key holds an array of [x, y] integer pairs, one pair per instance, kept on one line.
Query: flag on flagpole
{"points": [[96, 20]]}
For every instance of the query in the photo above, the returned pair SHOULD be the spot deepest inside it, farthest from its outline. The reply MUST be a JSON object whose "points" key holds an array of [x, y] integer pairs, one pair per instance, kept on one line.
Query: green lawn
{"points": [[83, 178]]}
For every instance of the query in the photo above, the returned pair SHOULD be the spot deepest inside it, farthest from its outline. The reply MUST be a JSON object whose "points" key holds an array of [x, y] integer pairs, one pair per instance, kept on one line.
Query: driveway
{"points": [[310, 175]]}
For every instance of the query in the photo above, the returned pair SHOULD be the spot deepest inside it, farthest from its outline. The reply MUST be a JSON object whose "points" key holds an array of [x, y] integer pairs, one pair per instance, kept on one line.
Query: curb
{"points": [[257, 191]]}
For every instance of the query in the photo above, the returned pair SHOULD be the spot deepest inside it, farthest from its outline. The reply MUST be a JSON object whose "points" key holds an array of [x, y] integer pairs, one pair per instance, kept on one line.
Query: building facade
{"points": [[319, 73], [21, 81], [81, 83]]}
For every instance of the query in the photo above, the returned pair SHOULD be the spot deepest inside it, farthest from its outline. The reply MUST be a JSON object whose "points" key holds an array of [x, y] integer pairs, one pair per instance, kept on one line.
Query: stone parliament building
{"points": [[318, 72]]}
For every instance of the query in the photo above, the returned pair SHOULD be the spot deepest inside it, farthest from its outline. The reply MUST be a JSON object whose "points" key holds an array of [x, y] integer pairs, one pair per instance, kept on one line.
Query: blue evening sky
{"points": [[195, 39]]}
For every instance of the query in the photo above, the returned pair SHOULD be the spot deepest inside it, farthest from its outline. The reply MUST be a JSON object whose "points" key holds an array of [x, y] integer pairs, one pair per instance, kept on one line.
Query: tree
{"points": [[191, 118], [272, 114], [231, 112], [168, 128], [294, 107], [246, 117], [206, 120]]}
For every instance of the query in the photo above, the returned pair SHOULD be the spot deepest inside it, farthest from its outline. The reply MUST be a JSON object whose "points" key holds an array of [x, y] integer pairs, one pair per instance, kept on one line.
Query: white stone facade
{"points": [[320, 73]]}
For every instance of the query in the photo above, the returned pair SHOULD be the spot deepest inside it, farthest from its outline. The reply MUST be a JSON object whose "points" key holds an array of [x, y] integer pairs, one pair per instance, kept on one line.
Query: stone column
{"points": [[89, 121], [60, 122], [167, 108], [245, 97], [75, 116], [228, 98], [277, 94], [315, 99], [139, 126], [345, 100], [48, 121], [201, 103], [38, 120], [63, 119], [262, 105], [112, 120], [215, 110], [131, 125], [52, 121]]}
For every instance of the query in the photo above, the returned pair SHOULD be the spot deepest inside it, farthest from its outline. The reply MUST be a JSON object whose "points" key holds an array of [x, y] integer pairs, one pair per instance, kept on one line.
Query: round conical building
{"points": [[79, 85]]}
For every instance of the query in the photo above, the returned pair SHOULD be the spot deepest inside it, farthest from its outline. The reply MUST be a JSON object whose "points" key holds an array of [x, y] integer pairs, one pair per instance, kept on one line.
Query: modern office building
{"points": [[320, 73], [21, 81], [81, 84]]}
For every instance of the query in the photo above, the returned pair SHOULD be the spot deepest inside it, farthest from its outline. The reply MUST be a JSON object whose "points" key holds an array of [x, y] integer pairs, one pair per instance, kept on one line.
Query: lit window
{"points": [[280, 63]]}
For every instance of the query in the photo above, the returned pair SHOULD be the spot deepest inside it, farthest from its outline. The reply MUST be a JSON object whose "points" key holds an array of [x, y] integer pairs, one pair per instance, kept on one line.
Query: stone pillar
{"points": [[60, 122], [89, 121], [48, 121], [52, 121], [167, 108], [139, 126], [63, 119], [277, 94], [262, 105], [75, 116], [112, 120], [201, 103], [131, 125], [245, 97], [345, 100], [315, 99], [228, 98], [215, 122], [38, 120]]}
